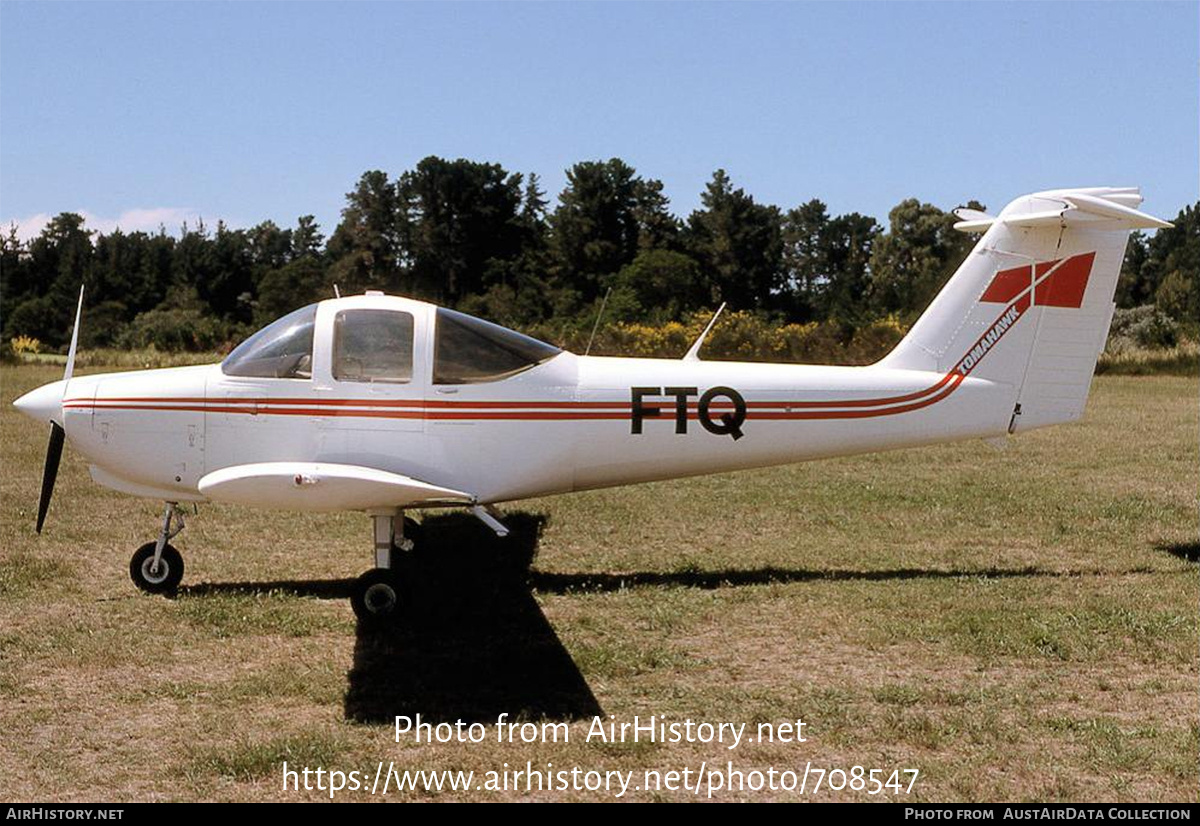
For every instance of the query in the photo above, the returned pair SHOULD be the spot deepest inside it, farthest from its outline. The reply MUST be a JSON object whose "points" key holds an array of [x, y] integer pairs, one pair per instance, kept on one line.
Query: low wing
{"points": [[318, 486]]}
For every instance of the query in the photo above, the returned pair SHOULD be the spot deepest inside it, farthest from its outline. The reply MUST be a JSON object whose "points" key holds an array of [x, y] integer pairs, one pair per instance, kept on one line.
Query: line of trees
{"points": [[475, 236]]}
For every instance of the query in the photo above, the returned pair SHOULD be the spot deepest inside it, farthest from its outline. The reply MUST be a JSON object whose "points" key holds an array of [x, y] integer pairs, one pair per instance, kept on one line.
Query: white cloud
{"points": [[131, 220], [27, 227]]}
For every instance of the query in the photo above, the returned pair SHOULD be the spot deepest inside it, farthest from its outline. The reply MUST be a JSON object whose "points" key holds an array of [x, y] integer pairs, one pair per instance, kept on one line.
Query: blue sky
{"points": [[137, 113]]}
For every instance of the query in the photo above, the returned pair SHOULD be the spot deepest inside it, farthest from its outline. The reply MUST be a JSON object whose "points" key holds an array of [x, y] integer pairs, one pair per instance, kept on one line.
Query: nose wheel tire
{"points": [[163, 579], [376, 597]]}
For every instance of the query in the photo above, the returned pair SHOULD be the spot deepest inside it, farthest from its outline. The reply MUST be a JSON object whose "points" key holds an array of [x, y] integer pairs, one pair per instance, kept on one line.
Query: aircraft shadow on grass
{"points": [[473, 642], [1188, 551]]}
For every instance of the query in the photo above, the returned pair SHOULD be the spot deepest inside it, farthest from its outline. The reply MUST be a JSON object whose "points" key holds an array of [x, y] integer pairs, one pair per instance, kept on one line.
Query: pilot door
{"points": [[370, 385]]}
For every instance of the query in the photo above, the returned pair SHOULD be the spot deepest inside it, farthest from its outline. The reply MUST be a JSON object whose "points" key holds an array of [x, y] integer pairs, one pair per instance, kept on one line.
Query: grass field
{"points": [[1017, 625]]}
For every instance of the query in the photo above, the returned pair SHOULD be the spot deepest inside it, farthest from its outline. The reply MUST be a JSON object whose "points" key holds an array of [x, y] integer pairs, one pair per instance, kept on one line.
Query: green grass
{"points": [[233, 615], [1018, 624], [22, 572], [252, 760]]}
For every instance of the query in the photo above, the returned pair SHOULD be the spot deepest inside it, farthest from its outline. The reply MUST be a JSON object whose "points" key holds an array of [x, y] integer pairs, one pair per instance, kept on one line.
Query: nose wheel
{"points": [[161, 577], [156, 567]]}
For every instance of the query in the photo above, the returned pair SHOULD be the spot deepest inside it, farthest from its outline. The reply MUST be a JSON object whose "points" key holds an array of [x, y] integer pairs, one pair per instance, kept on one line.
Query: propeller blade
{"points": [[50, 471], [57, 434], [74, 338]]}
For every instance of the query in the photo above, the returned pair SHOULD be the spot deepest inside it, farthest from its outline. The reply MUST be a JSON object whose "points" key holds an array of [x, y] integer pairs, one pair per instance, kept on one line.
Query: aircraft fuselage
{"points": [[572, 423]]}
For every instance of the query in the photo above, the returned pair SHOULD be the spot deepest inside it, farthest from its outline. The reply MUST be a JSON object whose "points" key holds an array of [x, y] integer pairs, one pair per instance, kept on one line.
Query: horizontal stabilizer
{"points": [[317, 486], [1095, 207], [972, 220], [1102, 208]]}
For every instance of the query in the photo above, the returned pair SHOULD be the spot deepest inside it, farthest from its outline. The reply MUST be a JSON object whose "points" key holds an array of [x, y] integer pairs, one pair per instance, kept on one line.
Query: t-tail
{"points": [[1038, 288]]}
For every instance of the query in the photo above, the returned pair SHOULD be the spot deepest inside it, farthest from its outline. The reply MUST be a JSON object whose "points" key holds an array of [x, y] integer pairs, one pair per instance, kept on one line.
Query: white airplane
{"points": [[382, 404]]}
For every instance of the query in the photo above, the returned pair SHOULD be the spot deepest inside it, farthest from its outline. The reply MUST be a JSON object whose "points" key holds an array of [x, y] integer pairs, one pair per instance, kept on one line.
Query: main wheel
{"points": [[161, 580], [376, 596]]}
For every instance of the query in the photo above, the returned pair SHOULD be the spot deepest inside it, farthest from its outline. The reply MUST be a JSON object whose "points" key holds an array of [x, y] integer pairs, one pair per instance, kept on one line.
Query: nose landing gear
{"points": [[156, 567]]}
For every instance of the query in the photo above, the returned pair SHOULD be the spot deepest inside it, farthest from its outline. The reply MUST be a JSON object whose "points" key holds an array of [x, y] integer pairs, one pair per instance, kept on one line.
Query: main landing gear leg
{"points": [[376, 597], [156, 567]]}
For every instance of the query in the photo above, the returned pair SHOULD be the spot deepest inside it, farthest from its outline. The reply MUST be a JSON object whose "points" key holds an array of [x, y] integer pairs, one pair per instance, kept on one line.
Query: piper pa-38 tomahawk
{"points": [[382, 404]]}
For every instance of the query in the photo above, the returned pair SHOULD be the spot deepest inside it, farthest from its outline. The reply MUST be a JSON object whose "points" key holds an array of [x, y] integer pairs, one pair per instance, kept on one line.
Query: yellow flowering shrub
{"points": [[744, 336], [26, 344]]}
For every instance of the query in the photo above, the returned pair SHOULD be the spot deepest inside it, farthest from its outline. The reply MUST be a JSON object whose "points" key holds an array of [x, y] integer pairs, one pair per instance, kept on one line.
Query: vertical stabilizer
{"points": [[1030, 306]]}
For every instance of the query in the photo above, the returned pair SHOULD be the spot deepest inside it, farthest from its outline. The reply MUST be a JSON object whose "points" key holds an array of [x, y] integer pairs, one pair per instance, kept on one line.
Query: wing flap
{"points": [[320, 486]]}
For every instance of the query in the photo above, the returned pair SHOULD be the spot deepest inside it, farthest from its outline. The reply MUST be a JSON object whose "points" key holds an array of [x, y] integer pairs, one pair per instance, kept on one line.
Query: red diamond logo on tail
{"points": [[1063, 287]]}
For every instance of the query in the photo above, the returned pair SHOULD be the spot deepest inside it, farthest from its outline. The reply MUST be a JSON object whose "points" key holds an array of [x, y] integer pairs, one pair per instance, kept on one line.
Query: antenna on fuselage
{"points": [[693, 353], [336, 292], [596, 326]]}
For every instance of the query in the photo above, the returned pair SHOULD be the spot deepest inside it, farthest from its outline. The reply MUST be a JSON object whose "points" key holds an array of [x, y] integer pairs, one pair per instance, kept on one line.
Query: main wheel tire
{"points": [[376, 598], [164, 580]]}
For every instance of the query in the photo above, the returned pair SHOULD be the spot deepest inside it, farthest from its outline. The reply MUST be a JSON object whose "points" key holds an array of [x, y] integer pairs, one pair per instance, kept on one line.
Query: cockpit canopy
{"points": [[379, 345]]}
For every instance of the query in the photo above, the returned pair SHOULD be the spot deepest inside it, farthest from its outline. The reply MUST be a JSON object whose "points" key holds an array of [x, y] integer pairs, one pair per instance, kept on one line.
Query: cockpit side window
{"points": [[373, 346], [281, 350], [468, 349]]}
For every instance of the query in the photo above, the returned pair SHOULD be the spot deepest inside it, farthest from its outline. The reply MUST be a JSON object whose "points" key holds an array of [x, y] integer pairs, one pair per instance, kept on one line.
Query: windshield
{"points": [[281, 350], [468, 349]]}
